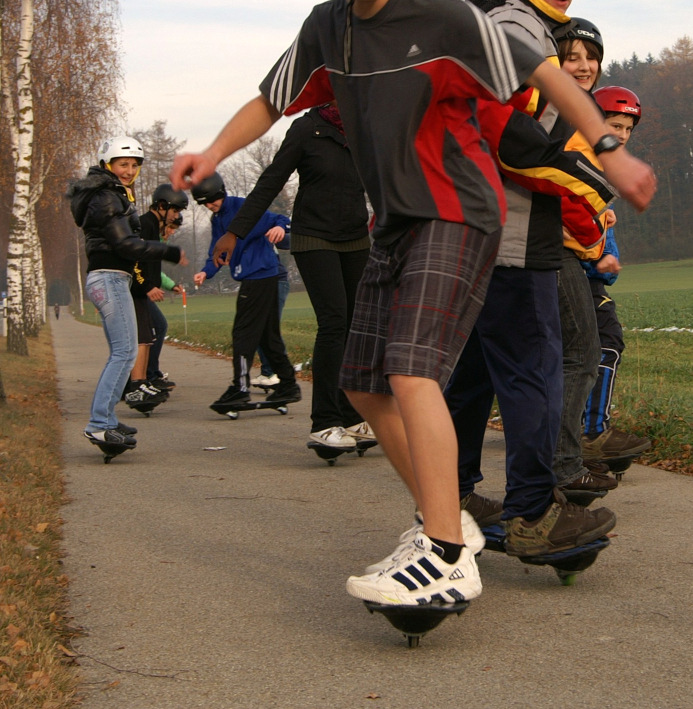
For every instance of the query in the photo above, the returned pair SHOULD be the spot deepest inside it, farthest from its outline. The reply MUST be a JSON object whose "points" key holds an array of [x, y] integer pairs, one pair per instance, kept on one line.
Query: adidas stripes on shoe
{"points": [[419, 577]]}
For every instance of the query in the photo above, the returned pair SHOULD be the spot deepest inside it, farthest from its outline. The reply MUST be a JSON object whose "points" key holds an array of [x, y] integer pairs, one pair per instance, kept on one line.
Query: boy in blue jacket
{"points": [[601, 441], [255, 264]]}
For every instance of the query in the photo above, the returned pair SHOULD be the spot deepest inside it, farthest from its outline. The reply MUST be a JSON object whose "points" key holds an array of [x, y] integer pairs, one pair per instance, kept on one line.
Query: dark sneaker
{"points": [[161, 390], [592, 481], [233, 395], [142, 393], [162, 383], [594, 466], [125, 429], [563, 526], [613, 444], [286, 392], [484, 510], [112, 435]]}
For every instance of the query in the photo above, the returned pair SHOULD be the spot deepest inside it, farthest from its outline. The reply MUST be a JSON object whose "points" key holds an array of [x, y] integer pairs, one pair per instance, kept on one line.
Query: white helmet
{"points": [[122, 146]]}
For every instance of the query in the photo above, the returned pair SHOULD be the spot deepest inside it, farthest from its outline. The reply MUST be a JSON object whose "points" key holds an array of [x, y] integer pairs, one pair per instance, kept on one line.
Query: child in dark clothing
{"points": [[254, 263], [146, 291]]}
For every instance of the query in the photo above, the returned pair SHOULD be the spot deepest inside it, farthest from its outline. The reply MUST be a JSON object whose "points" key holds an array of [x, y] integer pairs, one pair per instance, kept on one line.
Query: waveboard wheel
{"points": [[567, 578]]}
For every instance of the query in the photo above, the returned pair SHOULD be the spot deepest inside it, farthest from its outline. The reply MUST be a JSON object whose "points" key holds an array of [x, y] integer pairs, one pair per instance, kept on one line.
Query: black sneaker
{"points": [[233, 395], [112, 435], [563, 526], [142, 393], [163, 383], [484, 510], [613, 444], [286, 392], [125, 429]]}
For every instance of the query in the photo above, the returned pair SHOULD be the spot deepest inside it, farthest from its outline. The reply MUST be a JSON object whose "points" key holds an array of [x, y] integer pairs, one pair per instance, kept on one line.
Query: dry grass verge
{"points": [[36, 668]]}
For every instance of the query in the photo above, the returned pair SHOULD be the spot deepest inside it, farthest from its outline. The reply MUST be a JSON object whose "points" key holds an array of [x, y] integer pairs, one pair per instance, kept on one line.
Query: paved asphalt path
{"points": [[215, 579]]}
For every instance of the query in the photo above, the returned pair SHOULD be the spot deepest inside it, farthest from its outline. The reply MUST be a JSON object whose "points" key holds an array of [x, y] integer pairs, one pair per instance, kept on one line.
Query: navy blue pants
{"points": [[598, 409], [515, 352]]}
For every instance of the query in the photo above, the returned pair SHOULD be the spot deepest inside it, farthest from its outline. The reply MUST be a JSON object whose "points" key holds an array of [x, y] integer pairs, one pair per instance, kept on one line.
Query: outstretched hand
{"points": [[275, 234], [190, 169], [223, 249], [634, 179]]}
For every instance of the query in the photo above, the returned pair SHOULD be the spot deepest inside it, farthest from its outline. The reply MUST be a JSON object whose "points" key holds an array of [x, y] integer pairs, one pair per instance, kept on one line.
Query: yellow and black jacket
{"points": [[551, 177]]}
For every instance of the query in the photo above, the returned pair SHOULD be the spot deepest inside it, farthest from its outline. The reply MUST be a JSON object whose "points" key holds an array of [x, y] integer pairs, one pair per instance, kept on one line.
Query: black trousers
{"points": [[160, 325], [257, 324], [331, 278]]}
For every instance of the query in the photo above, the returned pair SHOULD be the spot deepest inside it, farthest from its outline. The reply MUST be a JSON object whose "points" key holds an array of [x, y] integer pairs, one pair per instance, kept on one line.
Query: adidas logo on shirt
{"points": [[413, 51]]}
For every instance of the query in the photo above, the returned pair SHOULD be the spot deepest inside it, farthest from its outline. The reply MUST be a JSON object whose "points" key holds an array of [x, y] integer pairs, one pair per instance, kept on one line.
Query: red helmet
{"points": [[616, 99]]}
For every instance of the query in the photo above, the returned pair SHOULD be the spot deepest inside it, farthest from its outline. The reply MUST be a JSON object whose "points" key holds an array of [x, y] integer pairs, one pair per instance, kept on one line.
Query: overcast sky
{"points": [[194, 64]]}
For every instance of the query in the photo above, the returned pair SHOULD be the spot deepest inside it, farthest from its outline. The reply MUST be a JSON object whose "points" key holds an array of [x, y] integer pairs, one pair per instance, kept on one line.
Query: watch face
{"points": [[607, 143]]}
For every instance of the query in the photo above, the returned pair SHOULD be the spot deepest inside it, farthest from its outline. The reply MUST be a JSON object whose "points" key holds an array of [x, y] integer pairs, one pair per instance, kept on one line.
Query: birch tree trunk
{"points": [[16, 338], [80, 288], [32, 266]]}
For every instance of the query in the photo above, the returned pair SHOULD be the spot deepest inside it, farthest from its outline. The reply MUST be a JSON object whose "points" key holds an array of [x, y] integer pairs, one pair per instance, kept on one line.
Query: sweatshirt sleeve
{"points": [[167, 283], [271, 182], [105, 211]]}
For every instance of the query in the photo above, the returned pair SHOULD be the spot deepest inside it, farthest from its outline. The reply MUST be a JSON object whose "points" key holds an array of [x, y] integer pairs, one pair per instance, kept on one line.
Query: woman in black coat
{"points": [[330, 244]]}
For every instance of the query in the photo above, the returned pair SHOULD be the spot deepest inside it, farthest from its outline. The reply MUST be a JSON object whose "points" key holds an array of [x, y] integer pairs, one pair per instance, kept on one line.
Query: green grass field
{"points": [[656, 295], [654, 388], [206, 321]]}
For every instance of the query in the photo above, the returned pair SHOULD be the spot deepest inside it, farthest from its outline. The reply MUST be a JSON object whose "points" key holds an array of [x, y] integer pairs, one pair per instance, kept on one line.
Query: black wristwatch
{"points": [[606, 144]]}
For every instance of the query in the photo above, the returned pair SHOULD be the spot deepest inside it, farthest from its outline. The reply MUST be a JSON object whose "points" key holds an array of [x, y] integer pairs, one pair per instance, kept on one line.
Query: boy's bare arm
{"points": [[633, 178], [248, 124]]}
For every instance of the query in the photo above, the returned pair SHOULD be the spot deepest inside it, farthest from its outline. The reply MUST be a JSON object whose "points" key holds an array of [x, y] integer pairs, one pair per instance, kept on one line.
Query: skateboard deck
{"points": [[331, 453], [111, 450], [618, 466], [232, 410], [415, 621], [567, 564]]}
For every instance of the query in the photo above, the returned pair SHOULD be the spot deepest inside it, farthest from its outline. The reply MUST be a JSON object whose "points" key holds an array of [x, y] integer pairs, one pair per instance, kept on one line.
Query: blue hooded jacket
{"points": [[610, 247], [254, 257]]}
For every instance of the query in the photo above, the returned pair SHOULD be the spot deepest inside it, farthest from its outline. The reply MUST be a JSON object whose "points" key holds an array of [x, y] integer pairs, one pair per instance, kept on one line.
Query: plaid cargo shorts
{"points": [[416, 304]]}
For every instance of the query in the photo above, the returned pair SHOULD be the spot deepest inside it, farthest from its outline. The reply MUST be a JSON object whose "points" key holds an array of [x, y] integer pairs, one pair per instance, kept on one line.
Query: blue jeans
{"points": [[581, 355], [283, 292], [109, 291]]}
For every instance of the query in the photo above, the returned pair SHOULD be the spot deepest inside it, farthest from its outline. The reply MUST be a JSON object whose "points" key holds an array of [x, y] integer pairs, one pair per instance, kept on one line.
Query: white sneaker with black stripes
{"points": [[473, 538], [420, 577]]}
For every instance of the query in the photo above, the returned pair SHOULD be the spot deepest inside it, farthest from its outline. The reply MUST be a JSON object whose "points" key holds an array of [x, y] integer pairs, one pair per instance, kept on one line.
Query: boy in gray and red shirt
{"points": [[405, 74]]}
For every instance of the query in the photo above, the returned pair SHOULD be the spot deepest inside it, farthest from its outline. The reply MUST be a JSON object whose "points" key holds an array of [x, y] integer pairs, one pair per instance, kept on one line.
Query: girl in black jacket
{"points": [[330, 243], [102, 205]]}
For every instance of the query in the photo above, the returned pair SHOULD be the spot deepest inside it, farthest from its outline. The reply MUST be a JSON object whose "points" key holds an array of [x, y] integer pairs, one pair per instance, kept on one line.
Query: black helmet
{"points": [[176, 199], [578, 28], [209, 190]]}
